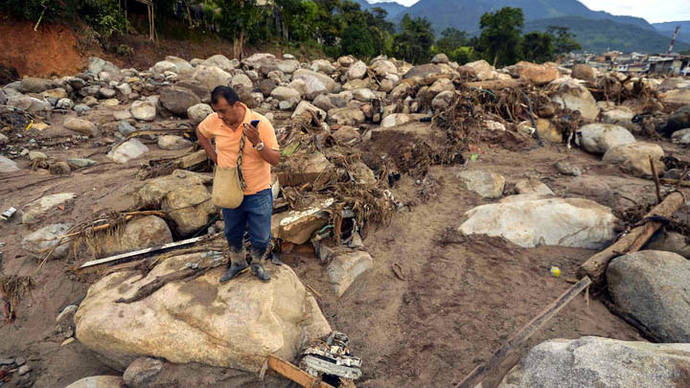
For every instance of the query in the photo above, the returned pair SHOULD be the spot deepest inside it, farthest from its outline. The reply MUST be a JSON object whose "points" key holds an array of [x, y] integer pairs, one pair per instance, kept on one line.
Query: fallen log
{"points": [[521, 336], [290, 371], [595, 266]]}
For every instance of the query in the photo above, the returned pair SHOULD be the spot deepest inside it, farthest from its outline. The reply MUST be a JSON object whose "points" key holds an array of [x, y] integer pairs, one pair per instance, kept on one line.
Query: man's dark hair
{"points": [[228, 93]]}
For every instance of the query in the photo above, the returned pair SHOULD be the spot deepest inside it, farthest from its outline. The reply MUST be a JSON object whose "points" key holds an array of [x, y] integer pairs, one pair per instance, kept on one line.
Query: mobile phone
{"points": [[254, 123]]}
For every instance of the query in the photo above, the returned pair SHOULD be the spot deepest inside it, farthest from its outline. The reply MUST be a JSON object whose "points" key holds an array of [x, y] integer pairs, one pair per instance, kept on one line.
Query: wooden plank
{"points": [[129, 256], [595, 266], [521, 336], [290, 371]]}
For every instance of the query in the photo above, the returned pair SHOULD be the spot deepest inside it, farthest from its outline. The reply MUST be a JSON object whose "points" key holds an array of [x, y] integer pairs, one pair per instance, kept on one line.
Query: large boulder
{"points": [[619, 115], [634, 158], [82, 126], [681, 137], [177, 100], [28, 103], [35, 85], [676, 97], [482, 70], [601, 362], [197, 113], [397, 119], [574, 96], [283, 93], [142, 232], [104, 381], [537, 74], [346, 116], [173, 142], [233, 325], [357, 71], [305, 106], [144, 110], [47, 238], [529, 221], [183, 195], [671, 242], [425, 71], [583, 72], [8, 165], [35, 210], [598, 138], [129, 150], [211, 76], [384, 68], [322, 66], [316, 83], [485, 183], [652, 286], [221, 61]]}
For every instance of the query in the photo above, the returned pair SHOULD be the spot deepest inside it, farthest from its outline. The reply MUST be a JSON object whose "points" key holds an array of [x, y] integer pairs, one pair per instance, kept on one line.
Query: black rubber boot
{"points": [[258, 267], [238, 264]]}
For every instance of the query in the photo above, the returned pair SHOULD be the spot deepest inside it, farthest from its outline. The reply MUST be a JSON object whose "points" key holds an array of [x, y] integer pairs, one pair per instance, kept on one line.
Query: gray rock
{"points": [[82, 126], [485, 183], [357, 71], [80, 162], [65, 321], [64, 103], [35, 210], [141, 372], [125, 89], [98, 382], [346, 268], [81, 108], [383, 67], [211, 76], [4, 139], [671, 242], [633, 158], [125, 128], [139, 233], [107, 92], [305, 106], [316, 83], [266, 86], [619, 115], [221, 61], [35, 85], [122, 115], [129, 150], [98, 65], [398, 119], [241, 81], [583, 72], [322, 66], [530, 220], [681, 137], [46, 238], [532, 186], [177, 100], [601, 362], [323, 101], [197, 113], [173, 142], [8, 165], [363, 94], [37, 155], [442, 100], [24, 369], [346, 116], [440, 58], [575, 96], [28, 103], [282, 93], [566, 168], [143, 110], [424, 71], [598, 138], [652, 286]]}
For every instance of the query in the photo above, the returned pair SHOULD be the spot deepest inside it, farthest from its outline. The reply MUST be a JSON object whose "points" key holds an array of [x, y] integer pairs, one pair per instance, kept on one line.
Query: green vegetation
{"points": [[334, 27]]}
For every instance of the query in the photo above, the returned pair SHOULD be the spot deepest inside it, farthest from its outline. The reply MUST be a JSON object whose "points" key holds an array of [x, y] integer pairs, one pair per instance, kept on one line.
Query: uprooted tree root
{"points": [[12, 289]]}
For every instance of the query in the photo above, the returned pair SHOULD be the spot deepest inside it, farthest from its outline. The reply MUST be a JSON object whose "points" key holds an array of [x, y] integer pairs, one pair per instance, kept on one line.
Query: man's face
{"points": [[230, 114]]}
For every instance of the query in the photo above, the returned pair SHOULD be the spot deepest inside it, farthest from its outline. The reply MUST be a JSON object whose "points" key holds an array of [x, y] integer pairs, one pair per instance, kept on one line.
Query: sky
{"points": [[653, 11]]}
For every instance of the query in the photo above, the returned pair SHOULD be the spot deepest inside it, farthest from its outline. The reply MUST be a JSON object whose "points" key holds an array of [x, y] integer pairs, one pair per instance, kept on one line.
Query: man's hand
{"points": [[251, 133], [206, 144]]}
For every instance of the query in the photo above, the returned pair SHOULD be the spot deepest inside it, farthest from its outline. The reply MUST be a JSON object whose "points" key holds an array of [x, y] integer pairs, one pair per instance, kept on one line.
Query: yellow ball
{"points": [[555, 271]]}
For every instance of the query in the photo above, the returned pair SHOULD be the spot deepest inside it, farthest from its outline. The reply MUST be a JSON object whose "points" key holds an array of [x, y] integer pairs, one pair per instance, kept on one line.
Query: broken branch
{"points": [[655, 175]]}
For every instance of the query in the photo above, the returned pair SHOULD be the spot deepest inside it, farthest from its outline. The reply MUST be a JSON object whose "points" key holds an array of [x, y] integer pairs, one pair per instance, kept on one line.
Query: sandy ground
{"points": [[455, 304]]}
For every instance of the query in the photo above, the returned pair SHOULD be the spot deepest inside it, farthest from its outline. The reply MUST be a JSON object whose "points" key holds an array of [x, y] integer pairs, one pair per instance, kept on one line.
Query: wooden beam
{"points": [[521, 336], [290, 371], [595, 266]]}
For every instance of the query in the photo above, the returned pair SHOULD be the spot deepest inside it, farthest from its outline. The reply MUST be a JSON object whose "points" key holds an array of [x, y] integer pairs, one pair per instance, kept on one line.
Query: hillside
{"points": [[596, 36], [465, 14], [667, 28], [393, 9]]}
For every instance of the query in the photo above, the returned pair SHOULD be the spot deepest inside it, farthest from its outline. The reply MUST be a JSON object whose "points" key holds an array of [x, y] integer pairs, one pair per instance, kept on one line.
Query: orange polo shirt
{"points": [[256, 171]]}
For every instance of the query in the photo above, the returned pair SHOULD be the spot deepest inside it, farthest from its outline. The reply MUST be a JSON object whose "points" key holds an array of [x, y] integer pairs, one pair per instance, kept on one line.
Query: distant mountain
{"points": [[596, 36], [667, 28], [465, 14], [393, 9]]}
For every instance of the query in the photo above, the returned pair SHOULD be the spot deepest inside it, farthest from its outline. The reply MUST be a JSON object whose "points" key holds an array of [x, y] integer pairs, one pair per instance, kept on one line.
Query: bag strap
{"points": [[243, 184]]}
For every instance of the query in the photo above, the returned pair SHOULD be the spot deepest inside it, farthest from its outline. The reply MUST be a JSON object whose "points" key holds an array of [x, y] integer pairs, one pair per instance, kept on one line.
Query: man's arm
{"points": [[206, 144], [270, 155]]}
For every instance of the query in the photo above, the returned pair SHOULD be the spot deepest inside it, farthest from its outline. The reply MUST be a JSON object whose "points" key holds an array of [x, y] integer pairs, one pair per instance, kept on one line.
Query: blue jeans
{"points": [[255, 211]]}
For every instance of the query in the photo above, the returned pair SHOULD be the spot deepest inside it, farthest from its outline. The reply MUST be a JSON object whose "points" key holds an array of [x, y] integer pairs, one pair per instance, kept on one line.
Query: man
{"points": [[227, 125]]}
